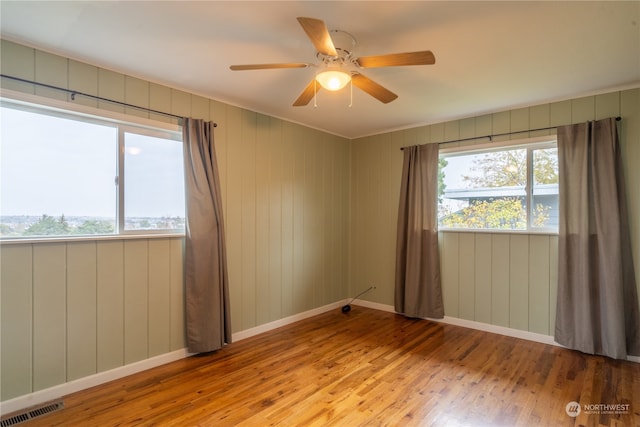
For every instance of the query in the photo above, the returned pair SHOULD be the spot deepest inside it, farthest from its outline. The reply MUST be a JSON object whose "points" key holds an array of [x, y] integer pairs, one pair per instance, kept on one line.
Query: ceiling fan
{"points": [[334, 50]]}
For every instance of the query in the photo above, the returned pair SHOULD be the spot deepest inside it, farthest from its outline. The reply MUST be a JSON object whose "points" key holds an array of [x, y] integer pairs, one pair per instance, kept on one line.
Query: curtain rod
{"points": [[73, 94], [503, 134]]}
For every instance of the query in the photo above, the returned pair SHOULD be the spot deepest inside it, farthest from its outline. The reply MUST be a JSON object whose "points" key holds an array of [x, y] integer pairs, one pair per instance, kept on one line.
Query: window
{"points": [[512, 187], [70, 174], [153, 182]]}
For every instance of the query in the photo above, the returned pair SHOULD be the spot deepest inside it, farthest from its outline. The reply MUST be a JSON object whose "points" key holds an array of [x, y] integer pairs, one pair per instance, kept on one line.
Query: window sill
{"points": [[72, 239], [498, 231]]}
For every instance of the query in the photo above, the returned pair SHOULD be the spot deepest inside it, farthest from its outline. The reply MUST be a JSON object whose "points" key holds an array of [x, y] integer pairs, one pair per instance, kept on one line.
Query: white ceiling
{"points": [[490, 56]]}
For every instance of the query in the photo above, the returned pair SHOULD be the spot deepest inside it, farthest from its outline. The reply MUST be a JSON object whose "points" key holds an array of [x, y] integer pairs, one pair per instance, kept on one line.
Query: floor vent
{"points": [[29, 414]]}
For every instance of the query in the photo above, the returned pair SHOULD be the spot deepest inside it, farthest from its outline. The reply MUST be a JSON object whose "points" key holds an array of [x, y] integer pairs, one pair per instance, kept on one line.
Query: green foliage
{"points": [[506, 168], [48, 226], [94, 227], [442, 163], [545, 169], [540, 215], [504, 213], [6, 230]]}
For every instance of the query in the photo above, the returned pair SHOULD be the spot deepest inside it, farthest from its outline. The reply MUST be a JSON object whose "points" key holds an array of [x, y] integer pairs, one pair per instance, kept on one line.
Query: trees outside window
{"points": [[68, 174], [512, 188]]}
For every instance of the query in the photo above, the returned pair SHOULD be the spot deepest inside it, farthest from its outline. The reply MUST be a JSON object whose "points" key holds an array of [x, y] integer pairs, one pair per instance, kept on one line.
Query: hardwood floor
{"points": [[369, 368]]}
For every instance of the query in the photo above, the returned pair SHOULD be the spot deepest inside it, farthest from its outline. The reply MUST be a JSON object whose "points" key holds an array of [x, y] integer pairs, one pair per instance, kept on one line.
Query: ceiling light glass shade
{"points": [[333, 79]]}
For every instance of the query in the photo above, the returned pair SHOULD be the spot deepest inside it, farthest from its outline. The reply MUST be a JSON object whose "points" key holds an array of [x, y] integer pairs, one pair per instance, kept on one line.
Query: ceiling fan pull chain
{"points": [[351, 94], [315, 93]]}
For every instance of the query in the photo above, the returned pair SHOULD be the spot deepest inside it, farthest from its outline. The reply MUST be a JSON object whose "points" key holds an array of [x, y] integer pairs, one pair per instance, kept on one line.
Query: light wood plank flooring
{"points": [[366, 368]]}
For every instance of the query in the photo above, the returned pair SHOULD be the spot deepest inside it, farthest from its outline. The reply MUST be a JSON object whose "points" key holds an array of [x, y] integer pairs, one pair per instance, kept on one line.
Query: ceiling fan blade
{"points": [[372, 88], [268, 66], [319, 35], [307, 94], [424, 57]]}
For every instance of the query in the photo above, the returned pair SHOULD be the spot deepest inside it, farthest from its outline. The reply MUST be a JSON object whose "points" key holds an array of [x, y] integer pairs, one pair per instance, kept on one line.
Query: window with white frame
{"points": [[509, 187], [69, 174]]}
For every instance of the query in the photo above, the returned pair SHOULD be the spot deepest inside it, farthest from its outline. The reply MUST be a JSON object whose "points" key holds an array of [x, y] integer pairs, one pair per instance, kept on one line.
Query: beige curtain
{"points": [[208, 325], [597, 305], [418, 290]]}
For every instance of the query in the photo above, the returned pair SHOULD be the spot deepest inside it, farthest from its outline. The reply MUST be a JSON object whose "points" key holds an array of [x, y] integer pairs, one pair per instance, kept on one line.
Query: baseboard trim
{"points": [[56, 392], [247, 333], [501, 330], [61, 390], [471, 324]]}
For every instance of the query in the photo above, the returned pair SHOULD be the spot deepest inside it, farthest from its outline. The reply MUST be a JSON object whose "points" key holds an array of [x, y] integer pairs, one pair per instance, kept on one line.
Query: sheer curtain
{"points": [[597, 306], [208, 325], [418, 290]]}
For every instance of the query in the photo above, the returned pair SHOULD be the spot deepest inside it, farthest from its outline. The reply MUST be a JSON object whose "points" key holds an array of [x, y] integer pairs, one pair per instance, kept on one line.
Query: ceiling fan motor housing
{"points": [[344, 43]]}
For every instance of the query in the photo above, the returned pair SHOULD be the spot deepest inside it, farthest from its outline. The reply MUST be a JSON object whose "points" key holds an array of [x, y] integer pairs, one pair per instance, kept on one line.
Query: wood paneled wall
{"points": [[310, 218], [286, 210], [495, 278], [500, 279], [73, 309]]}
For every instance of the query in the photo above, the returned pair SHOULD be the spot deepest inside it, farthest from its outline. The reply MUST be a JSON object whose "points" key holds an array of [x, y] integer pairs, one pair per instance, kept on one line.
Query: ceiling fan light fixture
{"points": [[332, 79]]}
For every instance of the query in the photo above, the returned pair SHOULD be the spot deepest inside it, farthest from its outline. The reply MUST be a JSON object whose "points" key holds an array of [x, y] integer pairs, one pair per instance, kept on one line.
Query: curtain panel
{"points": [[207, 313], [418, 291], [597, 303]]}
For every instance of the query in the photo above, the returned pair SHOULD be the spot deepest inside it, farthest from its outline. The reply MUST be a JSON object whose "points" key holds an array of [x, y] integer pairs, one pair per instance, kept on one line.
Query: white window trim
{"points": [[28, 101], [532, 142], [88, 238]]}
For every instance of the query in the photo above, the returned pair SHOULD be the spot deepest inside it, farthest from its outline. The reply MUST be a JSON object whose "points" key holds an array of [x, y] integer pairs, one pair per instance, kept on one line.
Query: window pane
{"points": [[154, 183], [484, 191], [545, 188], [57, 175]]}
